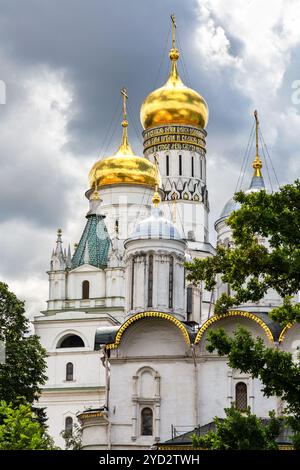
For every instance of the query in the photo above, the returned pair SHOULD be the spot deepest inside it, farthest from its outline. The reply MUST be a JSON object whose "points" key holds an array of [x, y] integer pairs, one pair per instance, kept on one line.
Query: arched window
{"points": [[69, 424], [71, 341], [69, 372], [146, 422], [150, 281], [241, 396], [85, 290]]}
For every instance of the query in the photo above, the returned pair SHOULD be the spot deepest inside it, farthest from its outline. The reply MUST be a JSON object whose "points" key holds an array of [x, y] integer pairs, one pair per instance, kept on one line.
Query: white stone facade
{"points": [[124, 331]]}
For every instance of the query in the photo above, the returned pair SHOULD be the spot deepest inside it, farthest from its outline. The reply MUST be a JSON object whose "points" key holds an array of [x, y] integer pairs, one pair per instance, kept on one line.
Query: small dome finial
{"points": [[257, 163], [125, 146], [95, 195], [156, 197]]}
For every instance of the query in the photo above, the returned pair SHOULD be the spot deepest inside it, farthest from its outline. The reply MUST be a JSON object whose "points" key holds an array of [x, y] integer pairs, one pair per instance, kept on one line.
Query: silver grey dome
{"points": [[155, 226], [229, 207], [257, 184]]}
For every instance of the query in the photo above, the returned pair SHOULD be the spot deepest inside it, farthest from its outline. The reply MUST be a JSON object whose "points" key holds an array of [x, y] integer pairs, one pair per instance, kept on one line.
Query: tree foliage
{"points": [[265, 254], [250, 267], [241, 431], [21, 430], [279, 374], [23, 371]]}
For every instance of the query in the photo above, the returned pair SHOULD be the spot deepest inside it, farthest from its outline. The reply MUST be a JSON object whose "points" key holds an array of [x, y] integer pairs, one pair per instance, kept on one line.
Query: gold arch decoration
{"points": [[139, 316], [284, 331], [234, 313]]}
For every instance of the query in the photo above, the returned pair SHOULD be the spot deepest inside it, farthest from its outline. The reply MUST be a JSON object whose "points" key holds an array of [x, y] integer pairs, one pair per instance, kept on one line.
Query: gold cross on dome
{"points": [[173, 31], [125, 97], [256, 129]]}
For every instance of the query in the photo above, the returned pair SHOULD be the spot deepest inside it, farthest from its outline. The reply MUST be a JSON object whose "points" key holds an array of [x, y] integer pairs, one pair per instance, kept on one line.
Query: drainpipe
{"points": [[105, 362], [196, 414]]}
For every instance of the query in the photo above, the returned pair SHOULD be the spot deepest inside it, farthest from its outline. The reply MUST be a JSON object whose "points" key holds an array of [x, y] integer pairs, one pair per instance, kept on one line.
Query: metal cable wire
{"points": [[245, 160], [265, 161], [162, 58], [113, 133], [109, 127], [246, 166], [185, 69], [133, 120], [267, 151]]}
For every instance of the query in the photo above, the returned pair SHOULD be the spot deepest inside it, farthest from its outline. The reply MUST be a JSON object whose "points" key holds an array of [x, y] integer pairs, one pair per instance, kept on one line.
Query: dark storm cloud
{"points": [[104, 46]]}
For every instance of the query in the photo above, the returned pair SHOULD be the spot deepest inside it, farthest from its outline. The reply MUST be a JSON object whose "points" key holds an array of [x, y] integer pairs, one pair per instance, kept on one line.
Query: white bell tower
{"points": [[174, 119]]}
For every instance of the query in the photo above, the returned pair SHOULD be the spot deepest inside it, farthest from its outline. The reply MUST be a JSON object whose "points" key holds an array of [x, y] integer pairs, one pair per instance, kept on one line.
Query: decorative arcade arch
{"points": [[284, 331], [139, 316], [235, 313]]}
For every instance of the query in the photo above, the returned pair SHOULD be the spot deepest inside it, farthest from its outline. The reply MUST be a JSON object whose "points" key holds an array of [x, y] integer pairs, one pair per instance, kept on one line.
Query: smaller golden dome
{"points": [[174, 103], [124, 167]]}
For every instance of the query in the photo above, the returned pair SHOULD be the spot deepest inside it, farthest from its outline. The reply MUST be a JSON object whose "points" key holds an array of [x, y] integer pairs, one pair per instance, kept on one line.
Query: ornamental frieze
{"points": [[175, 146], [158, 131], [174, 138]]}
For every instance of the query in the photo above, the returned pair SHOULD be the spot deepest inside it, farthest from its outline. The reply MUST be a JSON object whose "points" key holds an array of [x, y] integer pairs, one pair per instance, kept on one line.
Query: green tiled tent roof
{"points": [[94, 244]]}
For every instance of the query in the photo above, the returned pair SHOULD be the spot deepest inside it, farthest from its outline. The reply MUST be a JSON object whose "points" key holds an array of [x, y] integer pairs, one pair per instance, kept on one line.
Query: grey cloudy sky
{"points": [[63, 63]]}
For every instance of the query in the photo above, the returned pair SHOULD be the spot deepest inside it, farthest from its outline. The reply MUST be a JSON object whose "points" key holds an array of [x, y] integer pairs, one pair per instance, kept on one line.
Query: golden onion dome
{"points": [[124, 167], [174, 103]]}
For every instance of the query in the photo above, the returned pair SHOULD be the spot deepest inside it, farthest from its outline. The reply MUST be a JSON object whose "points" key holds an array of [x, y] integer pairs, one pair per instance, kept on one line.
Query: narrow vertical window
{"points": [[150, 281], [85, 290], [171, 282], [132, 282], [69, 372], [146, 422], [180, 165], [69, 425], [201, 169], [167, 165], [189, 301], [241, 396], [192, 163]]}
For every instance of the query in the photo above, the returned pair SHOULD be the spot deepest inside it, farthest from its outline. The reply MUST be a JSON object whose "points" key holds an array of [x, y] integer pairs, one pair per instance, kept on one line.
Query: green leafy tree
{"points": [[251, 268], [20, 429], [279, 374], [241, 431], [23, 371]]}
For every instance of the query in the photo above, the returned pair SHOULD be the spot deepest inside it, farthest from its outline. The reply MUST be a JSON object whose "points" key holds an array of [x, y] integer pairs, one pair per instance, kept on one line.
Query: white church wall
{"points": [[174, 389], [88, 369], [216, 385], [61, 404]]}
